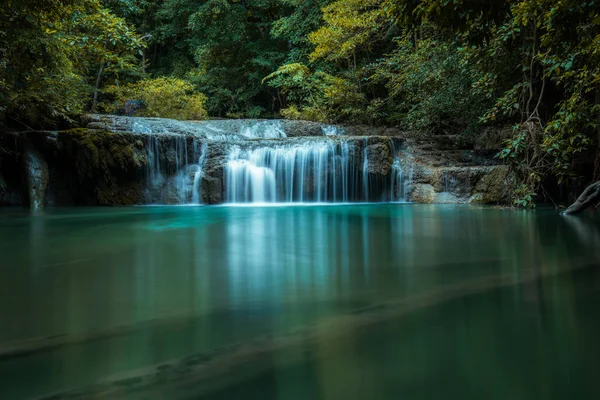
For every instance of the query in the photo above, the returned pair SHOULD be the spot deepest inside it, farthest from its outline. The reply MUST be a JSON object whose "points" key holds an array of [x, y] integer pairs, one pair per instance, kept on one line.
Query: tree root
{"points": [[589, 198]]}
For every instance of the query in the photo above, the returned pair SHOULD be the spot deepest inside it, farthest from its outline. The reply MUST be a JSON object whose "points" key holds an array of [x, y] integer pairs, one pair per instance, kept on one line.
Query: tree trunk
{"points": [[589, 198], [97, 87]]}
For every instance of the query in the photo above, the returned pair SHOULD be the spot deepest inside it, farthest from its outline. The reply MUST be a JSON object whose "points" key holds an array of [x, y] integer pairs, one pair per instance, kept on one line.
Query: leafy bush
{"points": [[160, 97], [319, 96], [524, 196]]}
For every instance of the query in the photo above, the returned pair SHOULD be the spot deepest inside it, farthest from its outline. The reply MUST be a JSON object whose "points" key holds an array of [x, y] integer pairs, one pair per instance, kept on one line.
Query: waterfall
{"points": [[153, 170], [168, 178], [199, 174], [259, 167], [315, 171], [398, 190], [365, 170], [181, 169], [348, 173]]}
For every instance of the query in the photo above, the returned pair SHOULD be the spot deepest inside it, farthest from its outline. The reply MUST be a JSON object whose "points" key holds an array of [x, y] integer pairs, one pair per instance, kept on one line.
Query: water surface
{"points": [[320, 302]]}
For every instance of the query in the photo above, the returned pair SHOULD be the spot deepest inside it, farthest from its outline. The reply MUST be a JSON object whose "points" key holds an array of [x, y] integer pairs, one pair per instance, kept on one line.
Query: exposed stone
{"points": [[494, 186], [379, 159], [303, 128], [448, 198], [423, 193], [493, 138], [420, 173]]}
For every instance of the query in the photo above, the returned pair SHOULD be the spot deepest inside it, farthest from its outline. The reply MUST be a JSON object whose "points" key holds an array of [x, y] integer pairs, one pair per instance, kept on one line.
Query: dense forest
{"points": [[432, 66]]}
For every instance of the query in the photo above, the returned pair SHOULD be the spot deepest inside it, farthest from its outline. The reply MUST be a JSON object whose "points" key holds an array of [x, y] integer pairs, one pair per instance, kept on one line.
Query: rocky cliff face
{"points": [[128, 161], [444, 169]]}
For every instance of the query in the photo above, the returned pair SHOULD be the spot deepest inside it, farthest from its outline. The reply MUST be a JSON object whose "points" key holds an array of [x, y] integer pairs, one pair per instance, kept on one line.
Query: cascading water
{"points": [[263, 130], [315, 171], [365, 171], [199, 174], [330, 130], [217, 130], [167, 172], [402, 177], [260, 168], [398, 185], [168, 178]]}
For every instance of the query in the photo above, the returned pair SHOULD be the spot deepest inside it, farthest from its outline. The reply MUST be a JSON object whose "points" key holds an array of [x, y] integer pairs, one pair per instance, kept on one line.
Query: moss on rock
{"points": [[379, 158], [105, 163], [120, 195], [494, 186], [101, 154]]}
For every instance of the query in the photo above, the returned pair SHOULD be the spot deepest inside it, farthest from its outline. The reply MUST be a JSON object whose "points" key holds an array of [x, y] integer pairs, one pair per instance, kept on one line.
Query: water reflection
{"points": [[355, 301]]}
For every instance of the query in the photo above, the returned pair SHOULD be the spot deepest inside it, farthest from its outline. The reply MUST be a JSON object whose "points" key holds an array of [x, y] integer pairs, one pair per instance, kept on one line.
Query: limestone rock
{"points": [[423, 193], [379, 159], [494, 187]]}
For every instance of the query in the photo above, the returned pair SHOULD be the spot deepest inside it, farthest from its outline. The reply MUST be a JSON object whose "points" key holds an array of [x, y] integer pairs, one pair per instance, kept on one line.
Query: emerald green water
{"points": [[308, 302]]}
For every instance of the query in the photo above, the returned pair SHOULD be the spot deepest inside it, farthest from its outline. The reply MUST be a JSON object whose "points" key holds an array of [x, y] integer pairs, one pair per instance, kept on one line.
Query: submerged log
{"points": [[589, 198]]}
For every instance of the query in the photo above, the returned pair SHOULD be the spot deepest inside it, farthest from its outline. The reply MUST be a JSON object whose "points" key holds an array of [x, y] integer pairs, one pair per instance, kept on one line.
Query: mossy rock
{"points": [[494, 187], [379, 159], [120, 195], [101, 154]]}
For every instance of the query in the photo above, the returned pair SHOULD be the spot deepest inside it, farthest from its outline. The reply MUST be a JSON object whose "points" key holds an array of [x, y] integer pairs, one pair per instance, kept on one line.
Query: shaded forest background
{"points": [[432, 66]]}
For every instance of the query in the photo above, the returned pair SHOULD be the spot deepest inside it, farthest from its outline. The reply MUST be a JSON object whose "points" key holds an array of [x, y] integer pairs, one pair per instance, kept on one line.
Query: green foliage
{"points": [[47, 52], [321, 96], [524, 197], [232, 48], [304, 17], [349, 26], [558, 44], [160, 97], [431, 86]]}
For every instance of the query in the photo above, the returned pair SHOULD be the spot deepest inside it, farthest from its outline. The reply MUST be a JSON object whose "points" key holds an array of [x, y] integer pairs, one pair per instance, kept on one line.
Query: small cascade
{"points": [[199, 174], [217, 130], [401, 175], [349, 174], [315, 171], [141, 126], [263, 130], [398, 189], [330, 130], [154, 174], [449, 182], [180, 171], [365, 170], [167, 170]]}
